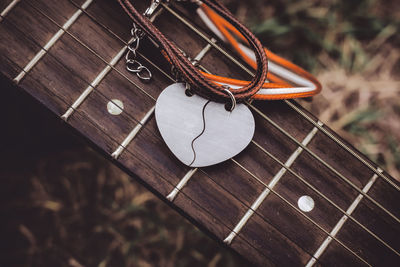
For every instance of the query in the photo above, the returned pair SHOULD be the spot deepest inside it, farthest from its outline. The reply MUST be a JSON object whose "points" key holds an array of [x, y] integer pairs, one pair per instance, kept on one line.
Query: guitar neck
{"points": [[298, 195]]}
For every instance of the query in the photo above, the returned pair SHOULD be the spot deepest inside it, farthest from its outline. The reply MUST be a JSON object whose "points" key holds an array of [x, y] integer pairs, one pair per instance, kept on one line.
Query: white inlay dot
{"points": [[115, 107], [306, 203]]}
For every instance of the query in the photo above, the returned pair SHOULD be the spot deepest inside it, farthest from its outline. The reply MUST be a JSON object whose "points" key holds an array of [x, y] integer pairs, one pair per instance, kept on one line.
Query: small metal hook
{"points": [[150, 10], [188, 90], [233, 99]]}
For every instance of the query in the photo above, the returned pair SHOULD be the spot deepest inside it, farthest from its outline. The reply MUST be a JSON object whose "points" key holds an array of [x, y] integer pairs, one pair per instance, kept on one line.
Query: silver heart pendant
{"points": [[200, 132]]}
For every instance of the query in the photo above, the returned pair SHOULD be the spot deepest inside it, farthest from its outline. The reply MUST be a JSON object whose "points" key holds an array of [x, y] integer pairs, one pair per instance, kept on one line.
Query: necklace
{"points": [[204, 120]]}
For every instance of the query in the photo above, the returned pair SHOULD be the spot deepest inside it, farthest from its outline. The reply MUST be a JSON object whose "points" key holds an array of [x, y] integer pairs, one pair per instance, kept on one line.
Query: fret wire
{"points": [[313, 188], [121, 148], [209, 40], [341, 222], [262, 216], [187, 177], [51, 42], [128, 150], [172, 195], [299, 211], [245, 240], [347, 148], [271, 184], [325, 164], [289, 169], [92, 85], [70, 70], [130, 153], [178, 188], [198, 32], [117, 37], [136, 130], [126, 43], [151, 62], [8, 8], [99, 56], [159, 174], [109, 66], [249, 72], [139, 122], [345, 213]]}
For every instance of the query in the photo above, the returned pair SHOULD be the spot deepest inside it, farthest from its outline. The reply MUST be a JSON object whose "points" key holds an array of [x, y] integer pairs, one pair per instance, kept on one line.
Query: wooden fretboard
{"points": [[69, 55]]}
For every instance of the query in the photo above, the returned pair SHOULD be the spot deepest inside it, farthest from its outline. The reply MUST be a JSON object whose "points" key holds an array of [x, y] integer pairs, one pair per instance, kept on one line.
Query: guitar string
{"points": [[155, 136], [366, 229], [317, 191], [130, 153], [286, 133], [346, 147], [289, 102], [369, 164], [85, 117], [240, 65], [103, 60], [111, 137], [202, 35]]}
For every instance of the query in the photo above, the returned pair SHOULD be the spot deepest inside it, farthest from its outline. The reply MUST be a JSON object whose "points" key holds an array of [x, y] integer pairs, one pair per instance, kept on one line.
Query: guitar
{"points": [[298, 195]]}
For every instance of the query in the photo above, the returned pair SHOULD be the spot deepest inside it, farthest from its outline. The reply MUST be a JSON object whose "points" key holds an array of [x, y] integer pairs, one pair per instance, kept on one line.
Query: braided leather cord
{"points": [[198, 82]]}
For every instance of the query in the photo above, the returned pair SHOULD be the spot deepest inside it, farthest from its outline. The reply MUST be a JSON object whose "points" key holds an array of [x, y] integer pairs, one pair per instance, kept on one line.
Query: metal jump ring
{"points": [[144, 77], [130, 55], [134, 45], [233, 99], [134, 66]]}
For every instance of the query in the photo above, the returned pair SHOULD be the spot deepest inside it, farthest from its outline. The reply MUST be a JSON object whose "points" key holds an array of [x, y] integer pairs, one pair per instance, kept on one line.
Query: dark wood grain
{"points": [[369, 248], [101, 42], [336, 255], [292, 189], [324, 180], [59, 11], [16, 47], [386, 195], [215, 197], [31, 22]]}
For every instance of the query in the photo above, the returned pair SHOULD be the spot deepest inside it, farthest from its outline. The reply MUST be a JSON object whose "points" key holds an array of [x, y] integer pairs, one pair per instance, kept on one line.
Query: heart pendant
{"points": [[200, 132]]}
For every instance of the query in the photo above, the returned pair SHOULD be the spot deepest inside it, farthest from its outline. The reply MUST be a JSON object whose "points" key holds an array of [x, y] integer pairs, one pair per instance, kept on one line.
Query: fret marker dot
{"points": [[306, 203], [115, 107]]}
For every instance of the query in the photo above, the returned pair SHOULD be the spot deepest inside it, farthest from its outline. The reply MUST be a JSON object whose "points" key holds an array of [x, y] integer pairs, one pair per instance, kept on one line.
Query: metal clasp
{"points": [[233, 99], [152, 8]]}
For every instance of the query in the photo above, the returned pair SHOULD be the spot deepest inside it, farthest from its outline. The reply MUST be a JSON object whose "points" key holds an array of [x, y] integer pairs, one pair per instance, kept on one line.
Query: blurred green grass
{"points": [[64, 210], [348, 31]]}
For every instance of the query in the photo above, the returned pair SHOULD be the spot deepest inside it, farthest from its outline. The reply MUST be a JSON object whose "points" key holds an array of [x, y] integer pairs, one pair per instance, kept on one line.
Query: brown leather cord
{"points": [[198, 82]]}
